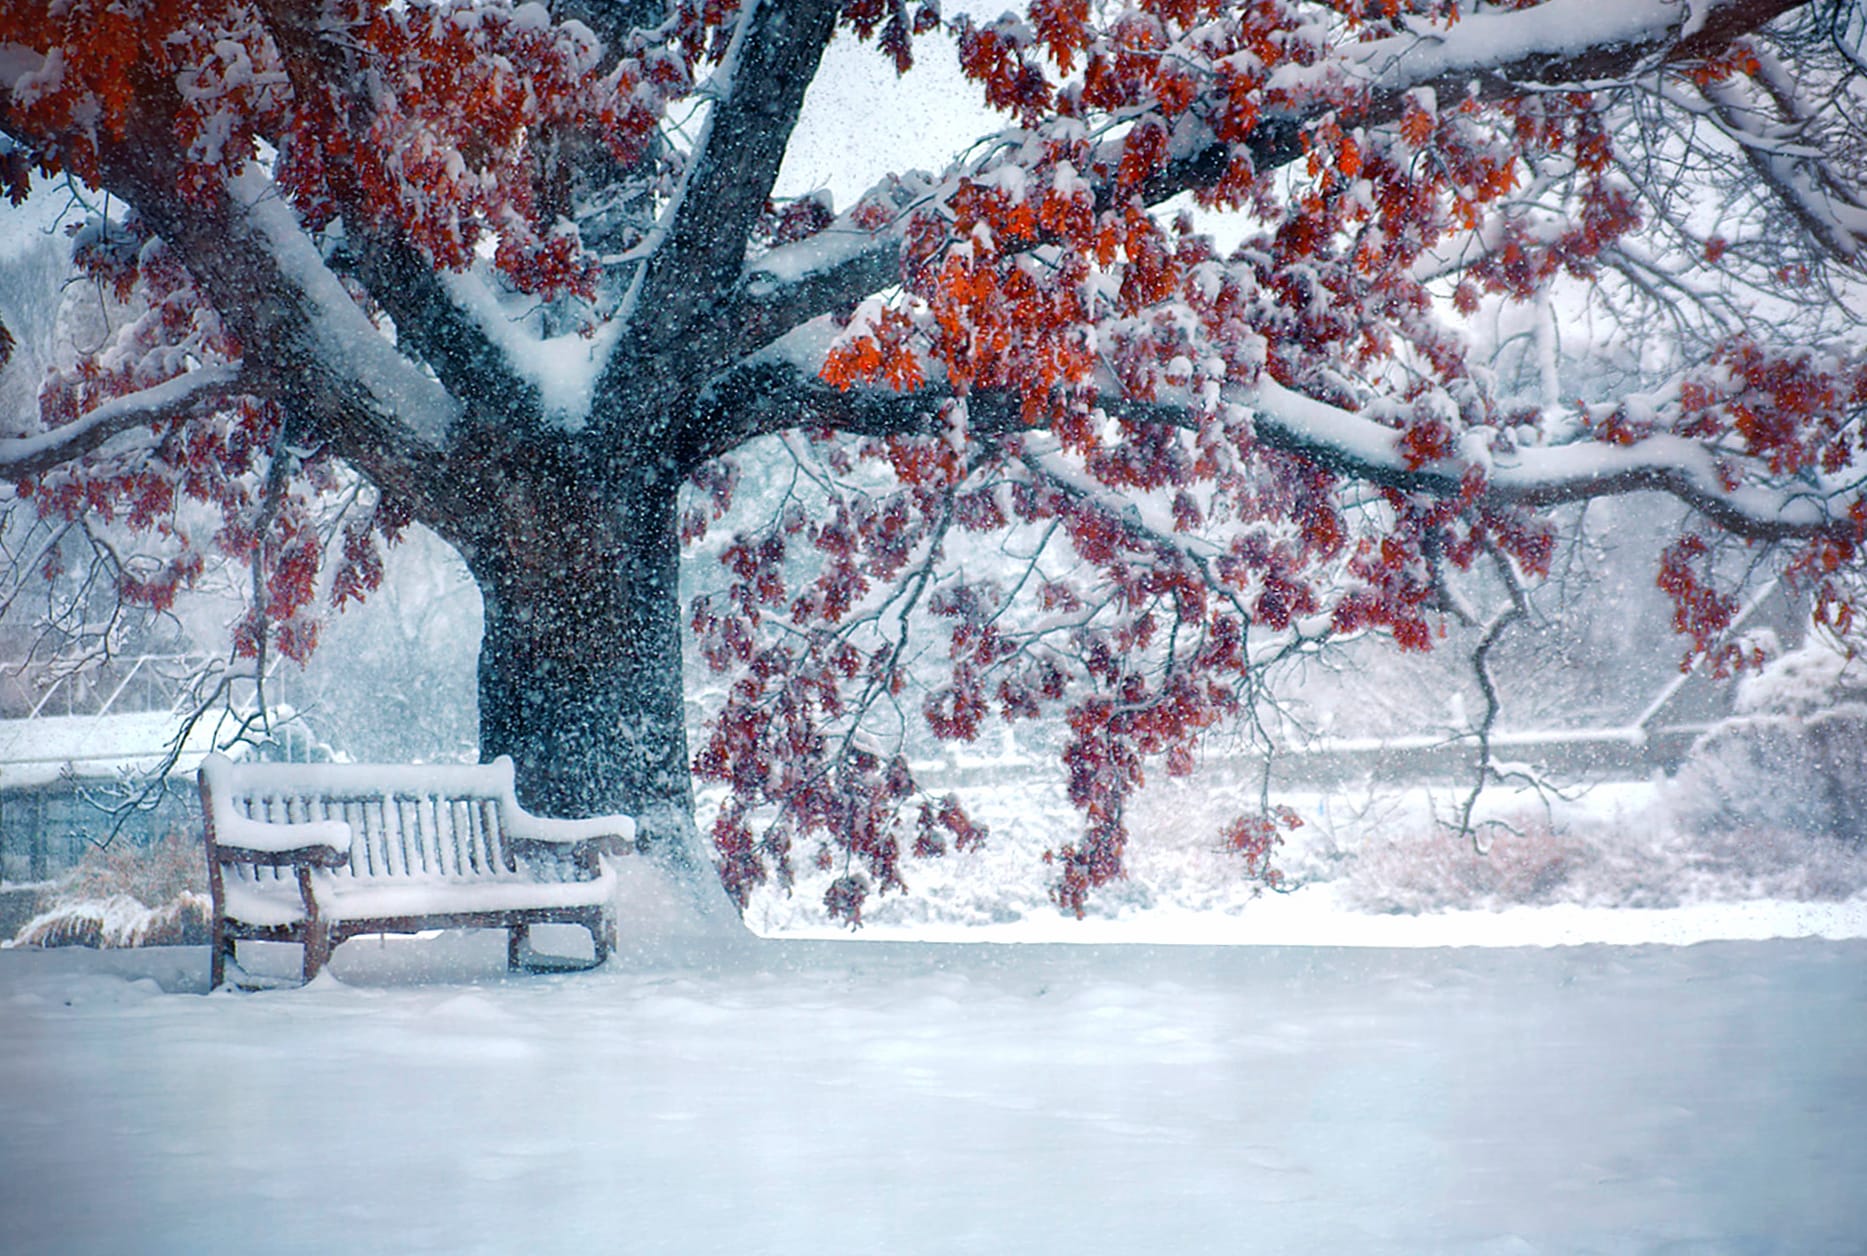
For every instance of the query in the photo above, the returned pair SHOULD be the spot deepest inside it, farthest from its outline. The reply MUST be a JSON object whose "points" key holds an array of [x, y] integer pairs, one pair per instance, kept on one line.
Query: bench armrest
{"points": [[319, 843], [531, 830]]}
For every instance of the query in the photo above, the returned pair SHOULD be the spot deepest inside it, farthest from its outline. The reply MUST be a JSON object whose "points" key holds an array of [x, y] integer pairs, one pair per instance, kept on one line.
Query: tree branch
{"points": [[324, 361], [825, 273], [1495, 53], [325, 83], [1518, 609], [774, 395], [1543, 476], [674, 305], [430, 322], [27, 456], [1557, 43], [1830, 212]]}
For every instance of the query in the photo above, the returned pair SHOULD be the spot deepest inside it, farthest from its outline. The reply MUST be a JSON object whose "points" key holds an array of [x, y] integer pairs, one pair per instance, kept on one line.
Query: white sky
{"points": [[861, 121]]}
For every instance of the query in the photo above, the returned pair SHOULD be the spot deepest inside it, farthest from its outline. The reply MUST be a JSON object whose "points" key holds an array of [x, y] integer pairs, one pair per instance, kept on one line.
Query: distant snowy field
{"points": [[810, 1096]]}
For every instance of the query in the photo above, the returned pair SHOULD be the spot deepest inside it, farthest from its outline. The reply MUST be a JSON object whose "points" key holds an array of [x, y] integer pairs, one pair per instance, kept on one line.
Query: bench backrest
{"points": [[428, 821]]}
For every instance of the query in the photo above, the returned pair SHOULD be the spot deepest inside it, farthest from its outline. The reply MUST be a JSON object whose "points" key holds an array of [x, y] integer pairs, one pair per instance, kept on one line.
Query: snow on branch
{"points": [[1832, 213], [778, 394], [796, 282], [1551, 475], [1554, 43], [27, 456], [1493, 53], [760, 91], [398, 391]]}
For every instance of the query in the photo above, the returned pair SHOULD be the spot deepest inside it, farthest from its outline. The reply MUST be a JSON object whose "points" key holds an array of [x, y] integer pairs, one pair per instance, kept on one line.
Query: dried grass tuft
{"points": [[119, 921], [126, 895]]}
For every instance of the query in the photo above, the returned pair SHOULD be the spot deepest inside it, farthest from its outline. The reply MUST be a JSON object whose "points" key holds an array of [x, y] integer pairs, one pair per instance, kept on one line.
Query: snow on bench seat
{"points": [[320, 853]]}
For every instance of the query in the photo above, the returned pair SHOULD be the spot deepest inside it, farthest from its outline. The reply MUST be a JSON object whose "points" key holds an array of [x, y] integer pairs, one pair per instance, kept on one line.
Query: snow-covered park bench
{"points": [[320, 853]]}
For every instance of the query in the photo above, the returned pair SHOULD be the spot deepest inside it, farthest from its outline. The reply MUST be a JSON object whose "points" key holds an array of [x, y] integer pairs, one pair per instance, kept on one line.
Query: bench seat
{"points": [[343, 898]]}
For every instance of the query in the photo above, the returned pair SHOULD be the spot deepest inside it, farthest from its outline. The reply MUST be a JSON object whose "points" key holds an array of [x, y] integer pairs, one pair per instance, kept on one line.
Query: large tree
{"points": [[520, 269]]}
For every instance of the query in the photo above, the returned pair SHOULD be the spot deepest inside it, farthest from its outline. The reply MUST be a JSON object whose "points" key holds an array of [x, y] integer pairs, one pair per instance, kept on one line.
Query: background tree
{"points": [[519, 269]]}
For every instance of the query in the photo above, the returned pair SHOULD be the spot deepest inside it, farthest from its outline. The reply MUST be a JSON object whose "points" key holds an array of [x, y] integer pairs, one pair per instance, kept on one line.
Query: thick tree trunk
{"points": [[580, 666]]}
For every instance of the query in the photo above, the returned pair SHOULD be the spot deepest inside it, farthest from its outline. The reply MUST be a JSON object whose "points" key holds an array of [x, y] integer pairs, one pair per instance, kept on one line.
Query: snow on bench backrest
{"points": [[445, 820]]}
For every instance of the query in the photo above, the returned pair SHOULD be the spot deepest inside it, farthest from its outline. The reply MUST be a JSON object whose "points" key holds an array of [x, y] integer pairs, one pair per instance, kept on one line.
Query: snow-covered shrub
{"points": [[1791, 760], [127, 895], [1630, 857], [1440, 870]]}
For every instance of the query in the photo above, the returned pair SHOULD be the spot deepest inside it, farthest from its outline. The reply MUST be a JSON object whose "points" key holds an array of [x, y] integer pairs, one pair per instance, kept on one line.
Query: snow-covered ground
{"points": [[813, 1095]]}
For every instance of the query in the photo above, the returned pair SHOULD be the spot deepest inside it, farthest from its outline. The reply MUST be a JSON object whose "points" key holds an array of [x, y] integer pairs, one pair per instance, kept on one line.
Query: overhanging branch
{"points": [[1544, 476], [28, 456], [326, 80], [1831, 213], [778, 395]]}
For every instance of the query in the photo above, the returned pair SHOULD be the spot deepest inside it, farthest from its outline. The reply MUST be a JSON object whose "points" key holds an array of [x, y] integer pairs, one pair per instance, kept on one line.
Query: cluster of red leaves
{"points": [[1047, 265], [168, 325], [897, 25], [437, 123], [207, 458], [196, 488], [464, 100], [1788, 409], [787, 743], [1255, 840], [201, 69], [1795, 411], [1701, 612], [1111, 738]]}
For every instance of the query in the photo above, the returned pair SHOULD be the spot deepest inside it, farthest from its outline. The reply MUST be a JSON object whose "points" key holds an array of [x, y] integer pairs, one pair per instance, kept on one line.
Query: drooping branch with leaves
{"points": [[521, 269]]}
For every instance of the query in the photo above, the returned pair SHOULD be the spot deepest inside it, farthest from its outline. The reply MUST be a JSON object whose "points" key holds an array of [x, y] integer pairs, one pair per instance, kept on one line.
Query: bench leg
{"points": [[220, 950], [603, 938], [317, 949], [517, 937]]}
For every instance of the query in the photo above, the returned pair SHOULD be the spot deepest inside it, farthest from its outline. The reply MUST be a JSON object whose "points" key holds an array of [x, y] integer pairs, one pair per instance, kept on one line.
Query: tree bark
{"points": [[580, 677]]}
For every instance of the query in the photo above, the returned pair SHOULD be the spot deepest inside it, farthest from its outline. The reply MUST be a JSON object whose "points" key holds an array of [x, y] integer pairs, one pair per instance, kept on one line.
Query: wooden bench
{"points": [[319, 853]]}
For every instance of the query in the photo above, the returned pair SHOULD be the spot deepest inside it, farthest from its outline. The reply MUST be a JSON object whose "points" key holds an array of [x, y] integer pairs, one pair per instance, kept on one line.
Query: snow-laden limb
{"points": [[697, 250], [1547, 475], [781, 387], [1831, 212], [1555, 43], [555, 376], [436, 317], [399, 392], [26, 456], [794, 283], [339, 377], [1493, 53]]}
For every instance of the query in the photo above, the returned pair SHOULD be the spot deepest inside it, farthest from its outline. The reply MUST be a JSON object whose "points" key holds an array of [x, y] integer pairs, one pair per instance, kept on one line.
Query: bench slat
{"points": [[460, 823], [389, 833], [408, 843], [437, 821], [401, 834]]}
